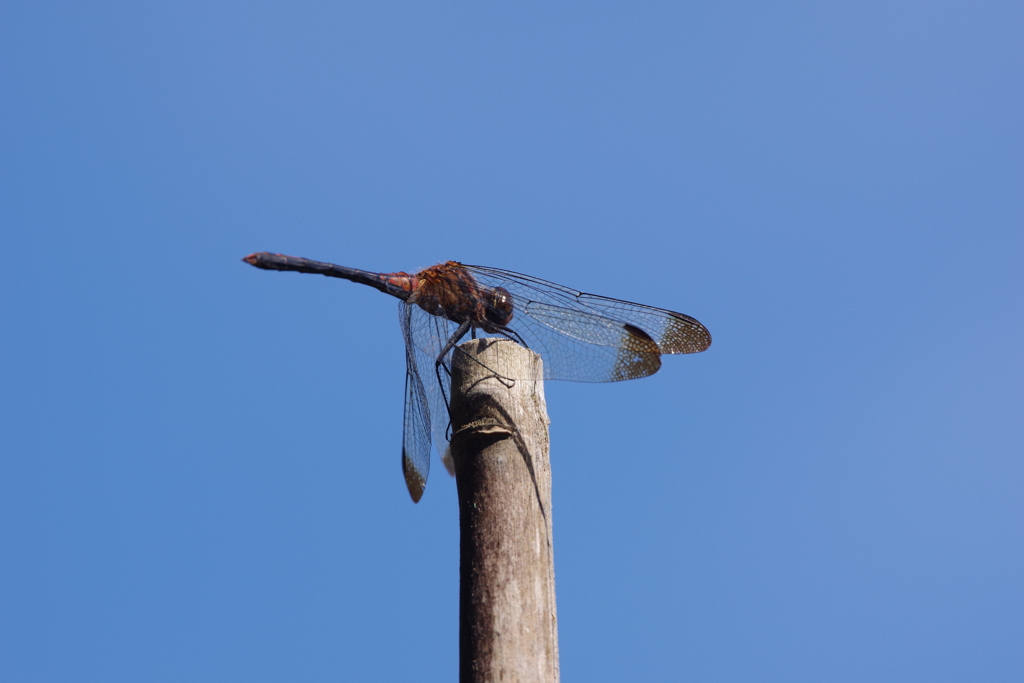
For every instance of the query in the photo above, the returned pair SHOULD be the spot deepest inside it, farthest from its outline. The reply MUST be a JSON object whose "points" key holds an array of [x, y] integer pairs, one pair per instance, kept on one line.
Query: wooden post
{"points": [[508, 629]]}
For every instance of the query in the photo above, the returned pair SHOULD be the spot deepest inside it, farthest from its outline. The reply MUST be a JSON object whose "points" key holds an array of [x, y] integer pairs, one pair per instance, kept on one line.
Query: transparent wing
{"points": [[589, 338], [426, 404], [415, 437], [416, 426]]}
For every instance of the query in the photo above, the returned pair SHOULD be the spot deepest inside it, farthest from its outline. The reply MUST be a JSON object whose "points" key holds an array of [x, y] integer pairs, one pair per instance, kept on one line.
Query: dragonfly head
{"points": [[498, 309]]}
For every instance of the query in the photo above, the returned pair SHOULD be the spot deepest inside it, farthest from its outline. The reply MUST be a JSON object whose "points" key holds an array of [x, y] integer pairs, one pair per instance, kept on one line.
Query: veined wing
{"points": [[590, 338], [416, 420], [673, 332], [415, 436], [425, 336]]}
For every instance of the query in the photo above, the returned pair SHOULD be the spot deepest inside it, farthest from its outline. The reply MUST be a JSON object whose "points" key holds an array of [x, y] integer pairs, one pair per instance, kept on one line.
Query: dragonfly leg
{"points": [[511, 335], [514, 336], [439, 363], [452, 341]]}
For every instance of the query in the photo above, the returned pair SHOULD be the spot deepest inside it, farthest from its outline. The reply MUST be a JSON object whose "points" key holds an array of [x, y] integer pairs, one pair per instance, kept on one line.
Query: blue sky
{"points": [[199, 461]]}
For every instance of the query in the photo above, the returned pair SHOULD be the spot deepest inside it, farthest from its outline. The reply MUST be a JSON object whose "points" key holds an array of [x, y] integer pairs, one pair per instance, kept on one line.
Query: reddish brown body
{"points": [[450, 291]]}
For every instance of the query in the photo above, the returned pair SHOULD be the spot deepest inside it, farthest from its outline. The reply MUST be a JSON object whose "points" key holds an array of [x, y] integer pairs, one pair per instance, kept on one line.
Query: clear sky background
{"points": [[199, 461]]}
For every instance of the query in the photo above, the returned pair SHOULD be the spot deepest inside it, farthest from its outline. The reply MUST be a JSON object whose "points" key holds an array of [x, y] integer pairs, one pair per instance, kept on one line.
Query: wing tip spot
{"points": [[414, 479]]}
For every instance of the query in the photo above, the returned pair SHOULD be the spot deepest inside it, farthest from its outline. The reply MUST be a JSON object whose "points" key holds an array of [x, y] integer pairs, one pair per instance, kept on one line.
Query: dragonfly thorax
{"points": [[450, 291]]}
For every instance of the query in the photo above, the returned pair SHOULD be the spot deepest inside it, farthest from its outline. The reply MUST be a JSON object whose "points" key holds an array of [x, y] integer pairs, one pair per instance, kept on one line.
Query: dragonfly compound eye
{"points": [[499, 307]]}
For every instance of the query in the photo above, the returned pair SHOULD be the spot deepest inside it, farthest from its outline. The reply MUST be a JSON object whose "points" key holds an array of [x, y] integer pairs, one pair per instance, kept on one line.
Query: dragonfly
{"points": [[581, 337]]}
